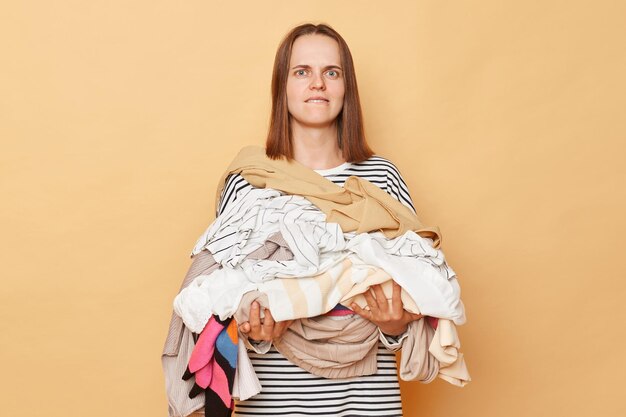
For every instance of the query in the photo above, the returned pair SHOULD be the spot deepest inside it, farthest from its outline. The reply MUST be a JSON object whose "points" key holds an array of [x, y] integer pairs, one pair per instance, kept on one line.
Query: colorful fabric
{"points": [[213, 363], [340, 310]]}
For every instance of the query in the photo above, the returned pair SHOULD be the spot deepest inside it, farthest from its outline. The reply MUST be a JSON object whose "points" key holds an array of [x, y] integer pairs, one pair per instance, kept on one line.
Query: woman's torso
{"points": [[289, 390]]}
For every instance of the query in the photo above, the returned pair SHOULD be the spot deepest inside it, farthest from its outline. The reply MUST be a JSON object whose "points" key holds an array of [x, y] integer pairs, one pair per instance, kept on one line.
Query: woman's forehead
{"points": [[315, 50]]}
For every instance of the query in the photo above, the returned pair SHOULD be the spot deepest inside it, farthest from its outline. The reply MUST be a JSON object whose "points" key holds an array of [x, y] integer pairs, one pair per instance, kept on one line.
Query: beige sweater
{"points": [[357, 206]]}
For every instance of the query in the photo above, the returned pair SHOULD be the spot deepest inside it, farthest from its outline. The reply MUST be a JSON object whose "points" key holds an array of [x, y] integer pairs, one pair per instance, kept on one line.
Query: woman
{"points": [[316, 120]]}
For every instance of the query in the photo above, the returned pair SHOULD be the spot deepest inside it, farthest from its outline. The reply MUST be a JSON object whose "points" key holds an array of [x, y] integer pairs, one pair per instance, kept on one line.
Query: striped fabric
{"points": [[290, 391], [377, 170]]}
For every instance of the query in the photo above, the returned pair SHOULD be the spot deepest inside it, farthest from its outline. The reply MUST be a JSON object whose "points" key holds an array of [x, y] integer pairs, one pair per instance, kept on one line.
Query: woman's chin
{"points": [[316, 122]]}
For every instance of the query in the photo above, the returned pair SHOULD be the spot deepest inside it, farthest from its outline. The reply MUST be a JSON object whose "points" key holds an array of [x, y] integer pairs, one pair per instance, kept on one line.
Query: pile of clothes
{"points": [[306, 249]]}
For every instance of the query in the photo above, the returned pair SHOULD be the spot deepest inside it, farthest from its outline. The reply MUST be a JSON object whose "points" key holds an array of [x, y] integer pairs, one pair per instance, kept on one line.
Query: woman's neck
{"points": [[316, 148]]}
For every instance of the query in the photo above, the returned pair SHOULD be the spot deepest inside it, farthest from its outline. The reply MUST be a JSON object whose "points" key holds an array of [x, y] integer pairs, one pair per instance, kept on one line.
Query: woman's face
{"points": [[315, 85]]}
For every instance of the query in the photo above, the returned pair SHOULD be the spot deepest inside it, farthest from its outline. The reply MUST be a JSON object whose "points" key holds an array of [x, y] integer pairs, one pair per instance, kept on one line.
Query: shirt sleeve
{"points": [[392, 343], [233, 185], [397, 188], [258, 347]]}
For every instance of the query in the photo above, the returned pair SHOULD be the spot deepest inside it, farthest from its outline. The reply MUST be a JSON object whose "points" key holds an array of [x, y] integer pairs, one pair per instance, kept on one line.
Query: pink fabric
{"points": [[433, 321], [339, 313], [203, 352], [219, 385], [204, 375]]}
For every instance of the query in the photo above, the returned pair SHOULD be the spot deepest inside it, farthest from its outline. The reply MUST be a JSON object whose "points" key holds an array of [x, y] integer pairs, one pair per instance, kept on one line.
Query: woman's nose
{"points": [[317, 82]]}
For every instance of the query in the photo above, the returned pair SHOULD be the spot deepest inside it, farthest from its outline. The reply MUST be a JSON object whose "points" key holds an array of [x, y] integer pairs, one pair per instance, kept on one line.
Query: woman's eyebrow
{"points": [[326, 67]]}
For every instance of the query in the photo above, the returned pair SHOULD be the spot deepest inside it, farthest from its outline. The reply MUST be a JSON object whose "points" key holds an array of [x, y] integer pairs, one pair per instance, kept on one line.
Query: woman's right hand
{"points": [[263, 330]]}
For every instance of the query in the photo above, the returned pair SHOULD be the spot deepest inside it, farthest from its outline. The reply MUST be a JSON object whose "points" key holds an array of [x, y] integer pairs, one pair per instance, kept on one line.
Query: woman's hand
{"points": [[266, 330], [391, 318]]}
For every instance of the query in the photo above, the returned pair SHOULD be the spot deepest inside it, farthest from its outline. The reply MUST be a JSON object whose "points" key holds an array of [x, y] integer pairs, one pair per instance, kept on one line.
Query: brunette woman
{"points": [[316, 120]]}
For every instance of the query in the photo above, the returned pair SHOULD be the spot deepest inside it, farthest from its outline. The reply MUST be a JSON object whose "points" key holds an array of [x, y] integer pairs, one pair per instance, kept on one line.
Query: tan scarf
{"points": [[357, 206]]}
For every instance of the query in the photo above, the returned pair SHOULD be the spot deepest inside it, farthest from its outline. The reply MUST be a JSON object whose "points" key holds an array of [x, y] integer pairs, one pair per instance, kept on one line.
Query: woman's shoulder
{"points": [[381, 163], [384, 173]]}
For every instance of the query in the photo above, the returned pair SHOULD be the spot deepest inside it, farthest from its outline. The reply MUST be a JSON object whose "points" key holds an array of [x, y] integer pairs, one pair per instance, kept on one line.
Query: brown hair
{"points": [[350, 131]]}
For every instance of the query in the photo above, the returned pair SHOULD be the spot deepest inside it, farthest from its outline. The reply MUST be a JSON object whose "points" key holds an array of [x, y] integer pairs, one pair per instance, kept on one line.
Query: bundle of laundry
{"points": [[339, 238], [311, 338], [326, 264], [319, 248]]}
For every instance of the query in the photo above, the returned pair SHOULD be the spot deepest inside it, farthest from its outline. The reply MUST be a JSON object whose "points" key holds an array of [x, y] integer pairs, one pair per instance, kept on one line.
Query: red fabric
{"points": [[433, 321]]}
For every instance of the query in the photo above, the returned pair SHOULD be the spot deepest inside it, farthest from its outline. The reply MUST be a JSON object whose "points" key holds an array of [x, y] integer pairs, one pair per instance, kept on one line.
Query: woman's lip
{"points": [[312, 100]]}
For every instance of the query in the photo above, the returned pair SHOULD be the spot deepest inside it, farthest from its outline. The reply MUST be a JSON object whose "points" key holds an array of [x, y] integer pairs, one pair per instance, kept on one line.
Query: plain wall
{"points": [[505, 118]]}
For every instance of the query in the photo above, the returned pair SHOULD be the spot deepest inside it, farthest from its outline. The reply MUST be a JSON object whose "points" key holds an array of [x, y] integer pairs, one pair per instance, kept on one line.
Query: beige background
{"points": [[506, 119]]}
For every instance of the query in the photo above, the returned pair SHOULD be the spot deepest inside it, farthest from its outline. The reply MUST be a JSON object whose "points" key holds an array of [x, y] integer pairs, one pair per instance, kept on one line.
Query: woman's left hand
{"points": [[391, 318]]}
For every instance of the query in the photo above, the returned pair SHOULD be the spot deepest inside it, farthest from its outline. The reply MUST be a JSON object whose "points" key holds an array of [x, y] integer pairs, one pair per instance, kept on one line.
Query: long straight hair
{"points": [[350, 131]]}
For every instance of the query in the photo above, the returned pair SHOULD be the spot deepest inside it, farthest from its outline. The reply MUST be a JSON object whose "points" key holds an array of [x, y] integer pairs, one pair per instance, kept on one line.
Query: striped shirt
{"points": [[291, 391]]}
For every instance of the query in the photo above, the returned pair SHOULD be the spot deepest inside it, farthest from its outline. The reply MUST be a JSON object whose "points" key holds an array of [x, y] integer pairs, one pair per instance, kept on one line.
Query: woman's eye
{"points": [[300, 72]]}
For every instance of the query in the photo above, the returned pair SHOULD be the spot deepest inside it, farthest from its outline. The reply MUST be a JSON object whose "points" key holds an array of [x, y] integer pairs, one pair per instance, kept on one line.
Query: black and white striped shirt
{"points": [[377, 170], [289, 390]]}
